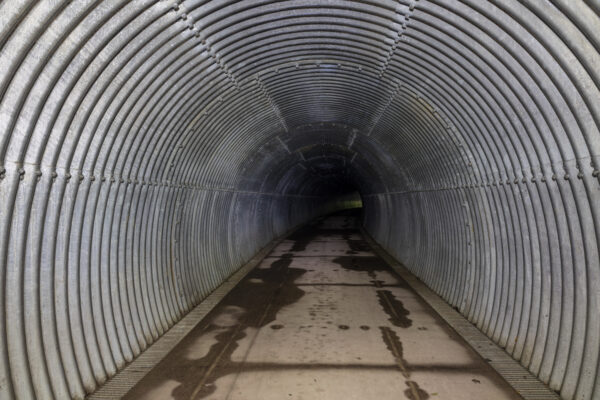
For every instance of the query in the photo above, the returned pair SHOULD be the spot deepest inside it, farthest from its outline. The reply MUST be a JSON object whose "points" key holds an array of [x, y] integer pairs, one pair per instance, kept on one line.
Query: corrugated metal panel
{"points": [[149, 148]]}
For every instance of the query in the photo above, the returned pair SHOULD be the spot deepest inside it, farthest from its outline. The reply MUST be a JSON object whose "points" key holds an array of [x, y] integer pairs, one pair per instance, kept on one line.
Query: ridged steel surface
{"points": [[149, 148]]}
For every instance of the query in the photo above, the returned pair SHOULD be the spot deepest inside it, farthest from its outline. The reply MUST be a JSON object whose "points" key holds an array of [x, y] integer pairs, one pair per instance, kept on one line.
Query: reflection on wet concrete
{"points": [[301, 314]]}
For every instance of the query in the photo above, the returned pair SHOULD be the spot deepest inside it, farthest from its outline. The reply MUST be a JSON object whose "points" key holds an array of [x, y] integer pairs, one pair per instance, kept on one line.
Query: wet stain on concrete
{"points": [[277, 280], [369, 264], [394, 345], [357, 246], [376, 283], [302, 238], [215, 365], [254, 303], [394, 309], [414, 392]]}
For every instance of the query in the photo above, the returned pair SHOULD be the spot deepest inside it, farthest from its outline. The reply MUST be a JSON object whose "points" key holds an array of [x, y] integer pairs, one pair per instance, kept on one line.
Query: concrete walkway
{"points": [[323, 318]]}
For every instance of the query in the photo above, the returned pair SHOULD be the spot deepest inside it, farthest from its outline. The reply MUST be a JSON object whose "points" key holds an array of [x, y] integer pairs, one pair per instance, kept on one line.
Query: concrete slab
{"points": [[323, 318]]}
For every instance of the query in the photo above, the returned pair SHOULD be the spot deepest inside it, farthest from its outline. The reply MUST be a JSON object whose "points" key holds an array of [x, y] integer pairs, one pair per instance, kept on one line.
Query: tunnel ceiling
{"points": [[149, 148]]}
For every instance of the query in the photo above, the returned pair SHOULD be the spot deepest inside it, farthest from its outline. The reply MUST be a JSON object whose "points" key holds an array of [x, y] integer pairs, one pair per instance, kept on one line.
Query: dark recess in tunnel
{"points": [[148, 149]]}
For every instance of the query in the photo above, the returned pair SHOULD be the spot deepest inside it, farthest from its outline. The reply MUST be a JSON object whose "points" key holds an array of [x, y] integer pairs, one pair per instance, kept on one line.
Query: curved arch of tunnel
{"points": [[149, 149], [315, 162]]}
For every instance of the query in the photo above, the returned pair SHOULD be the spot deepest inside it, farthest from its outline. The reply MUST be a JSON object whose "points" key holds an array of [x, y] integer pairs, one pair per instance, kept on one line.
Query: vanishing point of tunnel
{"points": [[300, 199], [322, 317]]}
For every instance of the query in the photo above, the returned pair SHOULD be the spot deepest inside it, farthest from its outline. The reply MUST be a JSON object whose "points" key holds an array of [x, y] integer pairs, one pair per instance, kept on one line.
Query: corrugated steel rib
{"points": [[148, 149]]}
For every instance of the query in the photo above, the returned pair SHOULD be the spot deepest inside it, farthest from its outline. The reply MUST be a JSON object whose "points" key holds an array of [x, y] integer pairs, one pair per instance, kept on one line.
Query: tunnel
{"points": [[150, 148]]}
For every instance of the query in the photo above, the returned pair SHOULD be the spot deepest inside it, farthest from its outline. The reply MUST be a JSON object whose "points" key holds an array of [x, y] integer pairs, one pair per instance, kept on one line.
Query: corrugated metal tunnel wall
{"points": [[149, 148]]}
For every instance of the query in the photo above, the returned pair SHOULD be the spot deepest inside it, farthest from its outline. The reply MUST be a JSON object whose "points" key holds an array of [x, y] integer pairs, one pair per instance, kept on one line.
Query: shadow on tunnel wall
{"points": [[149, 148]]}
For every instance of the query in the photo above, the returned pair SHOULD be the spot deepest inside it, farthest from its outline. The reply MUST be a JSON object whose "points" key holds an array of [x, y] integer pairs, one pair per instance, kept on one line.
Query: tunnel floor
{"points": [[322, 317]]}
